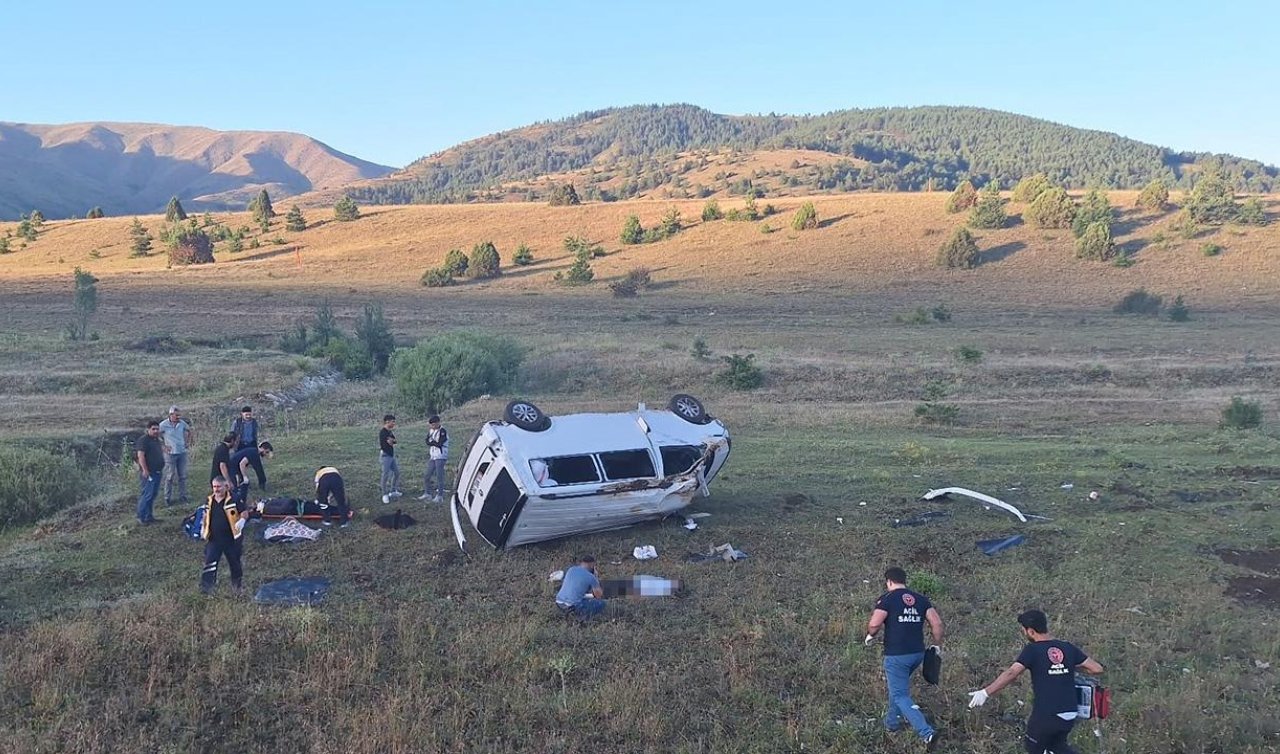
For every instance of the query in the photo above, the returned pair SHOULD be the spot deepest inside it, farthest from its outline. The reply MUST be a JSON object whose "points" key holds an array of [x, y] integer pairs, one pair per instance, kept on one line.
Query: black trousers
{"points": [[1048, 733], [330, 486], [255, 460], [215, 550]]}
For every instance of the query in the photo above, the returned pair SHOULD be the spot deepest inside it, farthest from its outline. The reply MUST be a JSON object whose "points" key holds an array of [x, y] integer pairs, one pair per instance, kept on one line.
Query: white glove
{"points": [[869, 640], [977, 698], [937, 649]]}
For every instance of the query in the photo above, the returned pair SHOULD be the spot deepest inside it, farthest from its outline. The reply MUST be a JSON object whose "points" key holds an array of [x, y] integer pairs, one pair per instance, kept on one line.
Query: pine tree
{"points": [[85, 302], [37, 218], [374, 334], [26, 229], [964, 197], [174, 212], [4, 244], [260, 207], [960, 251], [95, 214], [484, 261], [632, 231], [988, 213], [346, 210], [294, 222], [141, 239]]}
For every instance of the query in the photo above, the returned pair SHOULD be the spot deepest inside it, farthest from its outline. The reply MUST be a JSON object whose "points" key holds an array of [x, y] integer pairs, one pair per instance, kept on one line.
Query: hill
{"points": [[133, 168], [683, 151]]}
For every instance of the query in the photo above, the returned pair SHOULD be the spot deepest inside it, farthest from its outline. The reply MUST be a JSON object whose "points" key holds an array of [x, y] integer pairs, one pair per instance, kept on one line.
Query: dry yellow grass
{"points": [[867, 243]]}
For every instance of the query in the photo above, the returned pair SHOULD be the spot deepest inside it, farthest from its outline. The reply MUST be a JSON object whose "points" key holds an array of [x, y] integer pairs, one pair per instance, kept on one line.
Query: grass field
{"points": [[1170, 577]]}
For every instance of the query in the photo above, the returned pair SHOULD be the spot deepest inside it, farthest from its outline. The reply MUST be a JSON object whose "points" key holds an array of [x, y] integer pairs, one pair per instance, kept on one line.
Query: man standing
{"points": [[580, 593], [1053, 664], [177, 438], [245, 429], [222, 532], [389, 486], [150, 455], [437, 456], [222, 458], [902, 613], [331, 494]]}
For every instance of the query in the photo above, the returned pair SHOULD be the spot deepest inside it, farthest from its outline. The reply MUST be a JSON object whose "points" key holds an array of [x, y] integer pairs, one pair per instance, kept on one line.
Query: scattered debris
{"points": [[645, 552], [864, 502], [290, 530], [839, 519], [1135, 610], [725, 552], [690, 524], [1093, 495], [1260, 665], [293, 591], [1067, 486], [945, 491], [993, 546], [397, 520], [554, 576], [921, 519]]}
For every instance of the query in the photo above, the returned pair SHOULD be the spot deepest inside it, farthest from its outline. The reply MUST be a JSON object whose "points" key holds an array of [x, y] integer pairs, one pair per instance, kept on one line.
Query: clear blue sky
{"points": [[393, 81]]}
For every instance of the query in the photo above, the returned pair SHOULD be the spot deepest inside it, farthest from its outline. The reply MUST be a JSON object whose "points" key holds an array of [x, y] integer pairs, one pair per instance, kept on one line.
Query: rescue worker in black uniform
{"points": [[222, 531]]}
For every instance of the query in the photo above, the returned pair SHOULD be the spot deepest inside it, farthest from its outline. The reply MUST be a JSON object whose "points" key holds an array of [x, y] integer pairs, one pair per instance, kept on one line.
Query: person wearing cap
{"points": [[437, 456], [902, 613], [331, 495], [222, 531], [176, 433], [1053, 664]]}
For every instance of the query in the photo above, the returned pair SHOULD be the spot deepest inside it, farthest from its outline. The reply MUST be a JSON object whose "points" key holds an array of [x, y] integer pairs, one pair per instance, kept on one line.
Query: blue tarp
{"points": [[993, 546], [293, 591]]}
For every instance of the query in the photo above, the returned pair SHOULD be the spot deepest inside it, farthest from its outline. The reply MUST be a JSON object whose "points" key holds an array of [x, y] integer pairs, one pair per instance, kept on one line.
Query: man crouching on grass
{"points": [[580, 593], [222, 531]]}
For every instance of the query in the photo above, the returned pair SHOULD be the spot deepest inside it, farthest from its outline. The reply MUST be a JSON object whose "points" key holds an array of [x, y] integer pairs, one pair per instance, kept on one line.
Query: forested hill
{"points": [[677, 150]]}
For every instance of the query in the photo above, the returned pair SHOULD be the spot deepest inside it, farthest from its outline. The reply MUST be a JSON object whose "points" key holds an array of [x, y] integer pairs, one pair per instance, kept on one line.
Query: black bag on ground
{"points": [[932, 669]]}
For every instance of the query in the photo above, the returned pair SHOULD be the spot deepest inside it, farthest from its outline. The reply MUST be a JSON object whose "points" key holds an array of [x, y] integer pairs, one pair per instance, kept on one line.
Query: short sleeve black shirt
{"points": [[904, 628], [385, 437], [221, 455], [153, 451], [1052, 664]]}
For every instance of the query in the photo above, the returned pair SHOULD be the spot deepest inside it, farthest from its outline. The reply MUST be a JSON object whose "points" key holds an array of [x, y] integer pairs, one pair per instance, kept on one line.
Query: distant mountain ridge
{"points": [[134, 168], [676, 150]]}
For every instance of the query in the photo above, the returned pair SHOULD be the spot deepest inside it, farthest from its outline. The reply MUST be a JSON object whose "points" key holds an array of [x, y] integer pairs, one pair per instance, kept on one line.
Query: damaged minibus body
{"points": [[533, 478]]}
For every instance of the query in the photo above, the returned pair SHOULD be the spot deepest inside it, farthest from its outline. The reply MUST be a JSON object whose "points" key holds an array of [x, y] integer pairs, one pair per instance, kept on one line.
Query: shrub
{"points": [[1030, 188], [940, 313], [1139, 302], [1239, 414], [437, 277], [1212, 200], [988, 213], [34, 484], [740, 372], [451, 369], [455, 263], [345, 210], [95, 214], [963, 198], [84, 303], [1179, 311], [968, 354], [190, 245], [640, 277], [141, 243], [700, 351], [632, 231], [578, 245], [624, 288], [1211, 249], [564, 195], [1185, 225], [748, 213], [711, 211], [1154, 196], [579, 273], [959, 251], [4, 245], [932, 410], [295, 221], [1051, 209], [806, 218], [523, 256], [1252, 212], [375, 337], [1096, 242], [927, 584], [484, 261], [669, 225], [1095, 208], [1123, 259], [346, 356]]}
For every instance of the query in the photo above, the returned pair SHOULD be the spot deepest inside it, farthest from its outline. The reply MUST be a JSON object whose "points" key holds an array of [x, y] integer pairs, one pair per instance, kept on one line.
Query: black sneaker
{"points": [[931, 741]]}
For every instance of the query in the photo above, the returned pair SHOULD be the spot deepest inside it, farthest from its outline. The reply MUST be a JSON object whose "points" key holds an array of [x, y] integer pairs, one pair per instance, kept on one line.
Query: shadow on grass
{"points": [[998, 253]]}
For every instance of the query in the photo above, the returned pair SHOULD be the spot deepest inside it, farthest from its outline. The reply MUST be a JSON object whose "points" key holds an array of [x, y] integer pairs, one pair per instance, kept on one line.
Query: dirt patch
{"points": [[1124, 488], [1263, 591], [1262, 561], [444, 559], [795, 501], [1250, 473]]}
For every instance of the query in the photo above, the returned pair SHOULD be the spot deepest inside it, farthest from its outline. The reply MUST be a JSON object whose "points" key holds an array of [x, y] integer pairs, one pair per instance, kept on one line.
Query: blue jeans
{"points": [[390, 475], [897, 671], [435, 472], [148, 489], [588, 608]]}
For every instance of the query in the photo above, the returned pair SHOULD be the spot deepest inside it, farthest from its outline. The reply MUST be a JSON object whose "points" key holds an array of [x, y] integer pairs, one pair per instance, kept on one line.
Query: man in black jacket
{"points": [[1053, 664], [222, 531], [437, 457]]}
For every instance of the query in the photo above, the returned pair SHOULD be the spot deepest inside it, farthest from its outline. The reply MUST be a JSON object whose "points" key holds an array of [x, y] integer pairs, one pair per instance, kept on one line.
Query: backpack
{"points": [[193, 523]]}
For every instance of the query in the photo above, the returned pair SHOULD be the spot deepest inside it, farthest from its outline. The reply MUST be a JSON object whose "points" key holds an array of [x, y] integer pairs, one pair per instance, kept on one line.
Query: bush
{"points": [[624, 288], [964, 197], [95, 214], [806, 218], [346, 210], [988, 213], [1139, 302], [959, 251], [932, 410], [700, 351], [1051, 209], [455, 263], [748, 213], [295, 221], [1252, 212], [577, 245], [1211, 249], [632, 231], [437, 277], [190, 245], [484, 261], [1096, 243], [1179, 311], [1212, 201], [34, 484], [741, 372], [563, 196], [711, 211], [346, 356], [579, 273], [1154, 196], [451, 369], [968, 354], [375, 337], [1185, 225], [1095, 208], [523, 256], [927, 584], [1030, 188], [1239, 414]]}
